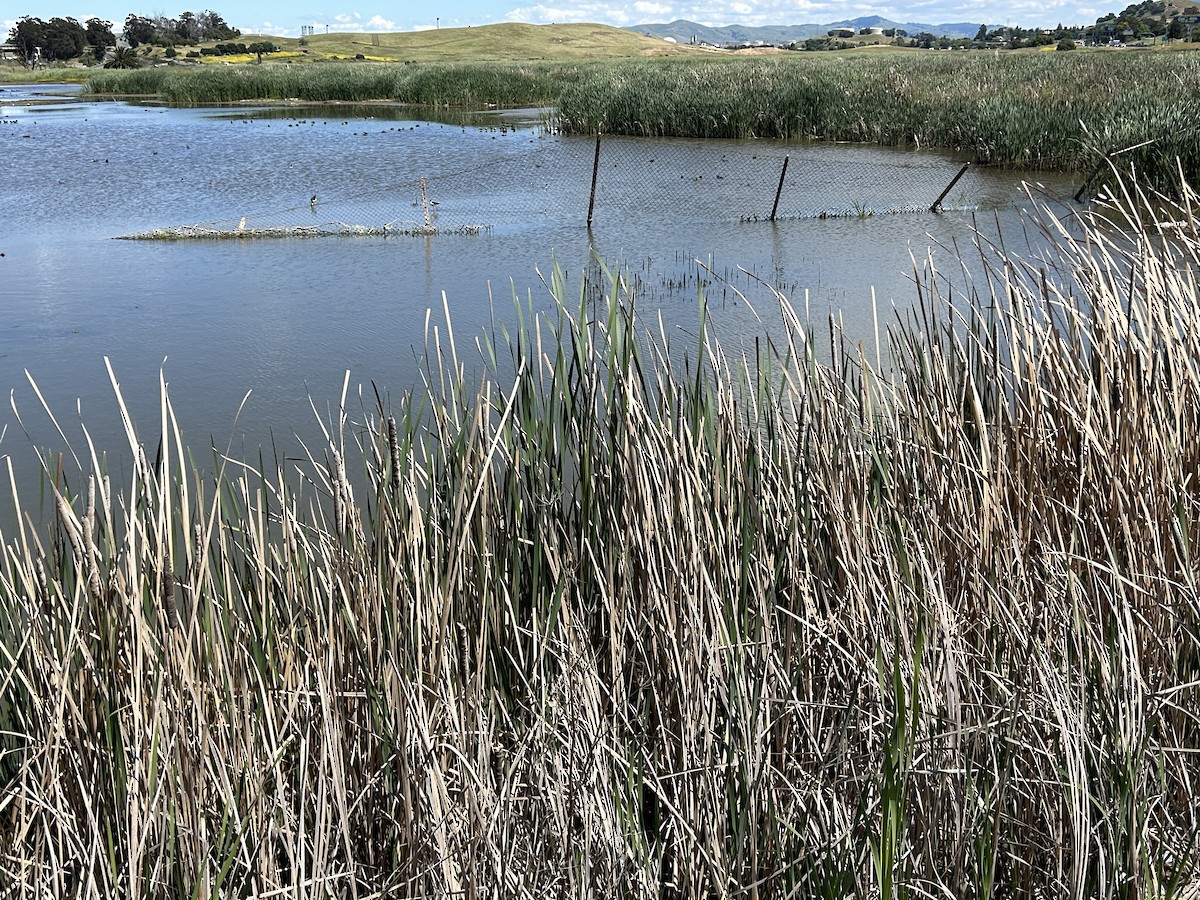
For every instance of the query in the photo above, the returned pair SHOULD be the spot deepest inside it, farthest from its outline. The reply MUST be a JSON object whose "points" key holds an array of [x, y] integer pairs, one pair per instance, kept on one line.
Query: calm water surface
{"points": [[285, 319]]}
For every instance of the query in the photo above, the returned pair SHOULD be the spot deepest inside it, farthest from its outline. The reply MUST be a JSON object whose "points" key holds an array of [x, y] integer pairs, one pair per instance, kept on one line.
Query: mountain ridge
{"points": [[685, 31]]}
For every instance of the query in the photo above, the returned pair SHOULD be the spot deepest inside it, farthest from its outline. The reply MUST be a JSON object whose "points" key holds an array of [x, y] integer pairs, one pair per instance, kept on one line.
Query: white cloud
{"points": [[606, 13], [657, 10], [1029, 13]]}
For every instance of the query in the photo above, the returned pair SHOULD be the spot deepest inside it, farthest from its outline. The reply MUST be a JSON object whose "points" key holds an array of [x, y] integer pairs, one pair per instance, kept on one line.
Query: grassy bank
{"points": [[617, 625], [14, 74]]}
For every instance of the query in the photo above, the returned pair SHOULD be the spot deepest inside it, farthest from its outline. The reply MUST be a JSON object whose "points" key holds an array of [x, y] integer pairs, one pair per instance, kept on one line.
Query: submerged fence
{"points": [[574, 182]]}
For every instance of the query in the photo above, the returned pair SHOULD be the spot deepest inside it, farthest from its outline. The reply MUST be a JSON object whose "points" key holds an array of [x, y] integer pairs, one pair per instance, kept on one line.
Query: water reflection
{"points": [[285, 319]]}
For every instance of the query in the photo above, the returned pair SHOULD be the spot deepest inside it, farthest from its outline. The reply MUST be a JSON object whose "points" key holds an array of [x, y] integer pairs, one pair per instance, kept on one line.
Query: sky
{"points": [[284, 18]]}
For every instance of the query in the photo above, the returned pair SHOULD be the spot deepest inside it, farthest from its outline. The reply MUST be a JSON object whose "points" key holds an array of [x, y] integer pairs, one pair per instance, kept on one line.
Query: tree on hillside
{"points": [[65, 39], [99, 35], [27, 36], [138, 30], [981, 34], [59, 39], [261, 47], [187, 26], [214, 28]]}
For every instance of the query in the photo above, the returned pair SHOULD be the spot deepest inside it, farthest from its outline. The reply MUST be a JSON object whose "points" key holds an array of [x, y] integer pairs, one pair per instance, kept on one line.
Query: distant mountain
{"points": [[684, 32]]}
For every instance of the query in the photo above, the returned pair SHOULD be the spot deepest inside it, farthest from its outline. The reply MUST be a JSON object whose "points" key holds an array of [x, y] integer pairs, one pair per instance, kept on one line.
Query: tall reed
{"points": [[1048, 111], [433, 84], [642, 619]]}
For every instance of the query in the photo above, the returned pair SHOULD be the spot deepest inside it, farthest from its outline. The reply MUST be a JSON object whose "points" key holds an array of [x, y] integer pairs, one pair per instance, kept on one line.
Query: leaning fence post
{"points": [[595, 172], [937, 204], [779, 190], [1087, 181]]}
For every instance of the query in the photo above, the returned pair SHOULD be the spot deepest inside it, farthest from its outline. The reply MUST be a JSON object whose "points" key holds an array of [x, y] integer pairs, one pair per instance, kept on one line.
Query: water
{"points": [[285, 319]]}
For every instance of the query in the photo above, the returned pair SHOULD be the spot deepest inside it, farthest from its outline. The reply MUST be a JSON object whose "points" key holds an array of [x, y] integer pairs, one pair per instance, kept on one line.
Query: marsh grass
{"points": [[1056, 111], [17, 74], [643, 619], [1043, 111], [430, 84]]}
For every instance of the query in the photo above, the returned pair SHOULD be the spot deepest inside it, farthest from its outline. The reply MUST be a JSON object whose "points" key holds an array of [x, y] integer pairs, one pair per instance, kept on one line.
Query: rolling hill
{"points": [[506, 41]]}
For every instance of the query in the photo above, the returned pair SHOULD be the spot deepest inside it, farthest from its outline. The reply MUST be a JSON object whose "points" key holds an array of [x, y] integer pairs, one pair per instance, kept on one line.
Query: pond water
{"points": [[284, 319]]}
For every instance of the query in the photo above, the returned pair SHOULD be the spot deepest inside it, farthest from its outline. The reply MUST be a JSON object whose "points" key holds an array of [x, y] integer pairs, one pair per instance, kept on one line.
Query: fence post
{"points": [[937, 204], [779, 190], [1087, 181], [595, 172]]}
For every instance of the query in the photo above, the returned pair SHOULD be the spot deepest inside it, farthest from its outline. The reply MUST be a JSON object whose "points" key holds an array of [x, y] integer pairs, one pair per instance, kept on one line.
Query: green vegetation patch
{"points": [[1056, 111], [434, 84], [1042, 111]]}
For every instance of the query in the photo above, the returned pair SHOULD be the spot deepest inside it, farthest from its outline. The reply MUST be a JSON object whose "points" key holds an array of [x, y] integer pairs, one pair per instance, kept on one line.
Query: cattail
{"points": [[166, 591], [337, 484], [198, 544], [394, 449], [81, 545], [43, 587]]}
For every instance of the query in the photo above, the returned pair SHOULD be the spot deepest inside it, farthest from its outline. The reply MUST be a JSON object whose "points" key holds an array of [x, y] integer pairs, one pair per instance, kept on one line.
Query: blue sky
{"points": [[285, 17]]}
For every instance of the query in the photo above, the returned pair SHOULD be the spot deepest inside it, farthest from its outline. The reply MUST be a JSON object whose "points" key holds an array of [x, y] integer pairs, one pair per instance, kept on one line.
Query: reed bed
{"points": [[428, 84], [1059, 111], [617, 615], [1052, 111]]}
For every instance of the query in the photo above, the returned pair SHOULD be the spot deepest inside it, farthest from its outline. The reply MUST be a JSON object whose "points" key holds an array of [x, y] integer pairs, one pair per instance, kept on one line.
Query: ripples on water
{"points": [[284, 319]]}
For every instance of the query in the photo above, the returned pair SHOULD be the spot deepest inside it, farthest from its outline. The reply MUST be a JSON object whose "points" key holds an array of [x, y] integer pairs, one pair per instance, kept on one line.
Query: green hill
{"points": [[508, 41]]}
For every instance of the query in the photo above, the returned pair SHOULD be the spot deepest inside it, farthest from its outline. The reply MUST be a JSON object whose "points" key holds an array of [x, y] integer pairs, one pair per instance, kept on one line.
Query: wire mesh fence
{"points": [[749, 182], [573, 181]]}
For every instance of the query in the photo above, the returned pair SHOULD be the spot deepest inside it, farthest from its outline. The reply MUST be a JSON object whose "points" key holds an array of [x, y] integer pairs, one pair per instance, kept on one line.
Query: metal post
{"points": [[595, 172], [779, 190], [1087, 181], [937, 204]]}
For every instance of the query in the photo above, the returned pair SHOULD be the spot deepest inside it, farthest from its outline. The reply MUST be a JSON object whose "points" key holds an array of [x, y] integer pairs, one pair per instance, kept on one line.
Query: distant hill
{"points": [[500, 42], [683, 31]]}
